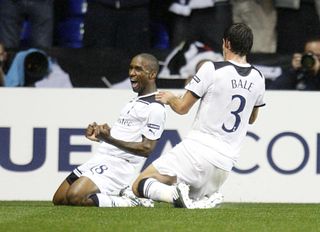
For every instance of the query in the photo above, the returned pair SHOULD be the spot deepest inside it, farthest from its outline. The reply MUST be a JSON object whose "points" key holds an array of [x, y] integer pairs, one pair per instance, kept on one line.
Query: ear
{"points": [[227, 44], [153, 75]]}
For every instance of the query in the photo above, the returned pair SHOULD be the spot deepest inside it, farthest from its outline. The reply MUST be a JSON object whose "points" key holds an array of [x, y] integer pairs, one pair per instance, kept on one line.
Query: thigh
{"points": [[213, 178], [180, 162], [152, 172], [92, 162], [83, 186], [111, 174], [187, 163]]}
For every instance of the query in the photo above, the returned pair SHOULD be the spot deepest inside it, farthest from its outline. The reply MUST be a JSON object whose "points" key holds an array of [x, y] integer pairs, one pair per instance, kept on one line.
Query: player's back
{"points": [[228, 92]]}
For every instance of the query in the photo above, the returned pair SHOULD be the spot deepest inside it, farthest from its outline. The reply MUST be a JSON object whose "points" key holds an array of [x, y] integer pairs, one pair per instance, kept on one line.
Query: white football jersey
{"points": [[229, 91], [142, 116]]}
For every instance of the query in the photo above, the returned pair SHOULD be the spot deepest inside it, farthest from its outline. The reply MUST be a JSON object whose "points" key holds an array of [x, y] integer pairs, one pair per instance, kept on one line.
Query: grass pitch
{"points": [[234, 217]]}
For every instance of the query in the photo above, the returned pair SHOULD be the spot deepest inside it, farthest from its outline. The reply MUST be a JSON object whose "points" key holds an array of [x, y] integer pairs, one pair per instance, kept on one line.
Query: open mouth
{"points": [[134, 84]]}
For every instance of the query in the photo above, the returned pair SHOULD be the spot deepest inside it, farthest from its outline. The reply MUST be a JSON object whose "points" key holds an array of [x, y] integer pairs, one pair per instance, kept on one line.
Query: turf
{"points": [[236, 217]]}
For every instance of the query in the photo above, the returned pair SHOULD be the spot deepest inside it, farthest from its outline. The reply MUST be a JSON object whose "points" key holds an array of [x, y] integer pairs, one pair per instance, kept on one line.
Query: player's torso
{"points": [[128, 127], [132, 118], [226, 106]]}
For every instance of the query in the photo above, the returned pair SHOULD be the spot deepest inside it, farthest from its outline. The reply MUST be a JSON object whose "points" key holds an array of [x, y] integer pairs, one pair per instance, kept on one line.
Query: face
{"points": [[313, 47], [139, 74]]}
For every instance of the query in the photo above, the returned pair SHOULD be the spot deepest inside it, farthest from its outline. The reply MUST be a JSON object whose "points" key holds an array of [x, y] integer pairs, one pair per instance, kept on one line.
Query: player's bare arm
{"points": [[253, 115], [180, 105], [143, 148]]}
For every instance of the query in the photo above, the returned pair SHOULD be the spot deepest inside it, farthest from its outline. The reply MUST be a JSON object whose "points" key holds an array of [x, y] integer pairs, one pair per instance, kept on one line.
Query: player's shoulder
{"points": [[220, 64], [260, 73], [150, 100], [240, 69]]}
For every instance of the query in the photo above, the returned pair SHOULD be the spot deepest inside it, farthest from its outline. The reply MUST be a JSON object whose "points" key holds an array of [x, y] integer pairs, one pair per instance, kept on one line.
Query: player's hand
{"points": [[164, 96], [90, 132], [296, 61], [102, 132]]}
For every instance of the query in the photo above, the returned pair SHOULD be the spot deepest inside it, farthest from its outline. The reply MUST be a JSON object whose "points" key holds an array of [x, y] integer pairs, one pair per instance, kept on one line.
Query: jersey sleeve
{"points": [[260, 100], [201, 80], [155, 123]]}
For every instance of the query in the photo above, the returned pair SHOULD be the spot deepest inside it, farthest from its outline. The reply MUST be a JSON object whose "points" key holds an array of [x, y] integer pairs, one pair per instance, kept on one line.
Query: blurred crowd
{"points": [[290, 27]]}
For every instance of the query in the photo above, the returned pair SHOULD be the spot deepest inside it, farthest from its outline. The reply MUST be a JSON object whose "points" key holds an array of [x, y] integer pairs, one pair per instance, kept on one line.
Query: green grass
{"points": [[234, 217]]}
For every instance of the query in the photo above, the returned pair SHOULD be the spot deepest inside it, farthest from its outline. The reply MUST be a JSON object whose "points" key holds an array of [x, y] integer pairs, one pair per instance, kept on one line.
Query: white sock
{"points": [[158, 191], [105, 200]]}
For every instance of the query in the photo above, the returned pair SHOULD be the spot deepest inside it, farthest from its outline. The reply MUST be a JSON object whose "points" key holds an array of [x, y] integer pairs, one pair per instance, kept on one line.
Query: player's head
{"points": [[238, 38], [143, 71]]}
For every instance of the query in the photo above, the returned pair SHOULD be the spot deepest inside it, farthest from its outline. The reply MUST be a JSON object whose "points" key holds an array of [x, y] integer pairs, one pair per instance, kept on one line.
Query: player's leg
{"points": [[213, 201], [184, 201], [85, 192], [206, 196], [60, 196], [144, 202], [80, 192], [104, 200], [157, 180], [151, 184], [80, 187]]}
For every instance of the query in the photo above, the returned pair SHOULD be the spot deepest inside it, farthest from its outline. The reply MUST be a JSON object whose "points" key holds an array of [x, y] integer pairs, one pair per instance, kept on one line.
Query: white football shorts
{"points": [[186, 163], [109, 173]]}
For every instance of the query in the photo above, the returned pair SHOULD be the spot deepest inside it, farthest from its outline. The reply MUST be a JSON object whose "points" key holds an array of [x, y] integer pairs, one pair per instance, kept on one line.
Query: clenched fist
{"points": [[90, 132], [102, 132]]}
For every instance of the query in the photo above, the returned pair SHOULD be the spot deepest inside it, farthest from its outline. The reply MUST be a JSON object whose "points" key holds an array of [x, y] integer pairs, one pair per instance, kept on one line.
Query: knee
{"points": [[74, 198], [59, 199], [138, 187]]}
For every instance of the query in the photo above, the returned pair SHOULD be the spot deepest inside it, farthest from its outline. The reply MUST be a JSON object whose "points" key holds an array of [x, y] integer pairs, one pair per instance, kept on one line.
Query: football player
{"points": [[230, 93], [124, 147]]}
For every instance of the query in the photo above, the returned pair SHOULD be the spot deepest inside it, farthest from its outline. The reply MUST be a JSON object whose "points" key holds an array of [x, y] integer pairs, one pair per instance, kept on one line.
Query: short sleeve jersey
{"points": [[142, 116], [229, 91]]}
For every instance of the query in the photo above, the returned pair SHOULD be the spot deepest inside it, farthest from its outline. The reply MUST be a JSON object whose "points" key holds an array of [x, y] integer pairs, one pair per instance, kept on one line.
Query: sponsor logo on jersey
{"points": [[125, 122]]}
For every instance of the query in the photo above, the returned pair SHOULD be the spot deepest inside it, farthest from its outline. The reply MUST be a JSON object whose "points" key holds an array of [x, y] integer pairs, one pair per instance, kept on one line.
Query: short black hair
{"points": [[153, 63], [240, 37]]}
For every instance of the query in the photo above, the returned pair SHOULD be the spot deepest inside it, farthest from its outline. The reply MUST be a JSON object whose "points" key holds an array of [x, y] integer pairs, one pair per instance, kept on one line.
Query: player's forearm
{"points": [[137, 148], [253, 115], [176, 104]]}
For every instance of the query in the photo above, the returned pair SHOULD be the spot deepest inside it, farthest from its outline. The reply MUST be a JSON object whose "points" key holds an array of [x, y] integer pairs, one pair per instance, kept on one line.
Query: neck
{"points": [[148, 89], [236, 58]]}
